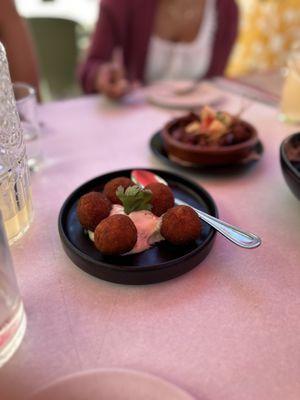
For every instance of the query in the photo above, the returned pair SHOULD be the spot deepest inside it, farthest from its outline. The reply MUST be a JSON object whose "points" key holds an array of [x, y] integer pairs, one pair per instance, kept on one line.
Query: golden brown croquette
{"points": [[112, 185], [92, 208], [180, 225], [162, 198], [116, 234]]}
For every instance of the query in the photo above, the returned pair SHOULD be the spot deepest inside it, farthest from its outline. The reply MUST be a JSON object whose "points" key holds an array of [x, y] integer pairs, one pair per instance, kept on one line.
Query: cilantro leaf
{"points": [[134, 198]]}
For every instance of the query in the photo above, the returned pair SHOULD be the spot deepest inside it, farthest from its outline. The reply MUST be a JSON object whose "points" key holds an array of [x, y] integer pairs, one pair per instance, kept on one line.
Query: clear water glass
{"points": [[26, 102], [12, 315]]}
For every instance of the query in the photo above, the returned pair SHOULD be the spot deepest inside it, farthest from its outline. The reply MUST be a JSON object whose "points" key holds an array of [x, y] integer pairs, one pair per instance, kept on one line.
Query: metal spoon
{"points": [[236, 235]]}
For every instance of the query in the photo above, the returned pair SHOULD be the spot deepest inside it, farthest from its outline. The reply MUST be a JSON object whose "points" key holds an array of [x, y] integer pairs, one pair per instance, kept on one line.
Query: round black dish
{"points": [[290, 170], [162, 262], [157, 147]]}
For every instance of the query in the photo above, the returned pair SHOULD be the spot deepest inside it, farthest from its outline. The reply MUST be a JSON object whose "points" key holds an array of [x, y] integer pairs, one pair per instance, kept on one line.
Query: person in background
{"points": [[151, 40], [16, 39]]}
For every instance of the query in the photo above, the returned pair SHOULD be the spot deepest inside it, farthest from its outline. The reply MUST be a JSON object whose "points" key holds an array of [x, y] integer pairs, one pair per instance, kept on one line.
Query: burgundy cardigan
{"points": [[129, 24]]}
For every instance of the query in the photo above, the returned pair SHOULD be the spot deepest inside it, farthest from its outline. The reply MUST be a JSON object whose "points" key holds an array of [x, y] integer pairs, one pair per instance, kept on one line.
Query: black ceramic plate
{"points": [[162, 262], [157, 147]]}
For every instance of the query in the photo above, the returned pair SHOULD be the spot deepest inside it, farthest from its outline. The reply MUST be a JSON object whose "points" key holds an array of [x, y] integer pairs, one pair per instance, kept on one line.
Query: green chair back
{"points": [[57, 49]]}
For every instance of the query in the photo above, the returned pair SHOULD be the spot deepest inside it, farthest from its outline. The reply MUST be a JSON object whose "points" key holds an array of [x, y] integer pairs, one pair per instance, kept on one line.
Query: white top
{"points": [[179, 61]]}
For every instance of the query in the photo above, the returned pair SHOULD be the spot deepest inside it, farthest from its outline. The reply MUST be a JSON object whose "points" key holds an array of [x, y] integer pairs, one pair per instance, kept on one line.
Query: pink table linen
{"points": [[228, 330]]}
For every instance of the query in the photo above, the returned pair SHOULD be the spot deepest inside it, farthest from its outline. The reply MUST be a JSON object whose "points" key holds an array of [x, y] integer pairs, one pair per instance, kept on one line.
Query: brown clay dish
{"points": [[202, 154]]}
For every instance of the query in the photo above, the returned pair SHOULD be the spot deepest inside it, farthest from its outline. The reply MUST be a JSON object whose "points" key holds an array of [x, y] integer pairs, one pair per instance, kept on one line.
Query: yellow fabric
{"points": [[268, 28]]}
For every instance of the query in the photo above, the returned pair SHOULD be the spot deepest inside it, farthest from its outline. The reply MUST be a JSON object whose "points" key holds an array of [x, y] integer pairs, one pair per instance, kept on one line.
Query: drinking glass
{"points": [[15, 194], [290, 100], [12, 315], [26, 102], [15, 202]]}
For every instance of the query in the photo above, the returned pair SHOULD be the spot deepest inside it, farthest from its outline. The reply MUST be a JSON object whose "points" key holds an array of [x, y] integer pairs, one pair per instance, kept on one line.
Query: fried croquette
{"points": [[112, 185], [180, 225], [162, 198], [92, 208], [115, 235]]}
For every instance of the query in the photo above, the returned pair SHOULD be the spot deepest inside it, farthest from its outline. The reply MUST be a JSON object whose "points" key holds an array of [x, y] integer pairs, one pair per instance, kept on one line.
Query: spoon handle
{"points": [[243, 239]]}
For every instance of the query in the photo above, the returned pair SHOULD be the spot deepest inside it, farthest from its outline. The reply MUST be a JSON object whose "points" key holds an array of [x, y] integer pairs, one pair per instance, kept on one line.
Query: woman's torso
{"points": [[129, 24], [183, 59]]}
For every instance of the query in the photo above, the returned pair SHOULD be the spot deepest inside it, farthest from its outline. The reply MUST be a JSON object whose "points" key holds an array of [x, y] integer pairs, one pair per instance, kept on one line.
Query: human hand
{"points": [[110, 79]]}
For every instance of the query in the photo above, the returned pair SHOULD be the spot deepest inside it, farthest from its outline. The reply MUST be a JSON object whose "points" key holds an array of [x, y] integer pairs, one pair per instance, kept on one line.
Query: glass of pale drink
{"points": [[15, 193], [290, 100]]}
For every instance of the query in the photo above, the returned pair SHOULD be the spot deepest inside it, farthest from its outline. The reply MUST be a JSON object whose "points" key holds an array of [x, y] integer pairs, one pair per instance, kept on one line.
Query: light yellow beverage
{"points": [[18, 224], [15, 205], [290, 101]]}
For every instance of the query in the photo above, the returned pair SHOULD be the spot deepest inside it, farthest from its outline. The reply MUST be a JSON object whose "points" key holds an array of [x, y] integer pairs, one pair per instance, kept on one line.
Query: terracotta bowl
{"points": [[206, 155], [290, 170]]}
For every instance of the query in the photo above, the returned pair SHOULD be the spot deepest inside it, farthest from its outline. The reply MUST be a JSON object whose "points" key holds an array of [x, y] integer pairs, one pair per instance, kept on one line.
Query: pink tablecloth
{"points": [[227, 330]]}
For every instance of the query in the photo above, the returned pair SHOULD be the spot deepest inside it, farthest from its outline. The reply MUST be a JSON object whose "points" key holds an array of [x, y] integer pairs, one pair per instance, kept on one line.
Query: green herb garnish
{"points": [[134, 198], [221, 117]]}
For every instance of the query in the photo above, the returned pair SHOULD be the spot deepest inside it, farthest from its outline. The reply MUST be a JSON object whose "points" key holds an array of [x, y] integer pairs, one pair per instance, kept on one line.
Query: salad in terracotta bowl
{"points": [[209, 137]]}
